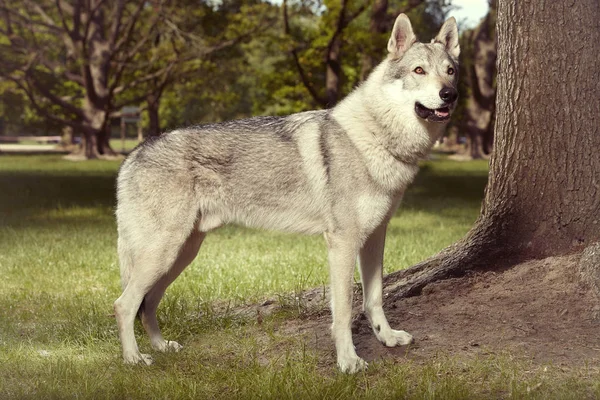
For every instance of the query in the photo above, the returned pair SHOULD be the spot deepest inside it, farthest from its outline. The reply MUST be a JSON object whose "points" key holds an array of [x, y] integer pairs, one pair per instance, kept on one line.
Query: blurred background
{"points": [[91, 78]]}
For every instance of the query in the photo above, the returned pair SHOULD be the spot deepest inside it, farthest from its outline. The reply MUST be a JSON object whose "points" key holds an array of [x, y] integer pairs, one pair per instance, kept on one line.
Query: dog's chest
{"points": [[371, 210]]}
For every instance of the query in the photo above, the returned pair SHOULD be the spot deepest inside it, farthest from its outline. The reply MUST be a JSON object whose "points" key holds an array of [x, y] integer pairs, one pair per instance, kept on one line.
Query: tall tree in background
{"points": [[543, 195], [188, 38], [69, 58], [80, 62], [481, 80], [335, 20]]}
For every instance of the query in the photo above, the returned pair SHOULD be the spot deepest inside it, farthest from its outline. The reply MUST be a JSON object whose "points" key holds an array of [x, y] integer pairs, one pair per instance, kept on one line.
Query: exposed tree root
{"points": [[476, 250]]}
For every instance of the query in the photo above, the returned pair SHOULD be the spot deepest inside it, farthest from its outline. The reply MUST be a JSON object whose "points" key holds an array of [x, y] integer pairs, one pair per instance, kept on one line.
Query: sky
{"points": [[469, 12]]}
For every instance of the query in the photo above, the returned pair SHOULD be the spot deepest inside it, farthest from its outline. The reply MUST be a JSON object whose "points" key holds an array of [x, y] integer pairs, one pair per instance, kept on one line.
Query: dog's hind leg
{"points": [[149, 263], [150, 304], [371, 272]]}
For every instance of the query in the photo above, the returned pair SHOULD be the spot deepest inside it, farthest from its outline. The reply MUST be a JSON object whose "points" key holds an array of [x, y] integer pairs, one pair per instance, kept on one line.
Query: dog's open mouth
{"points": [[441, 114]]}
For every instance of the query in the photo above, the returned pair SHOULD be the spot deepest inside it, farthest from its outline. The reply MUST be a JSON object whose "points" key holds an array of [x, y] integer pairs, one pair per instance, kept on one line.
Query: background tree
{"points": [[333, 22], [542, 198], [232, 58], [481, 81], [69, 58], [191, 37]]}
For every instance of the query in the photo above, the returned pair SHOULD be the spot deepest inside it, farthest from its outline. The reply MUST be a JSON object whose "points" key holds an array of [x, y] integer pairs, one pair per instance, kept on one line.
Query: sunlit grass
{"points": [[59, 274]]}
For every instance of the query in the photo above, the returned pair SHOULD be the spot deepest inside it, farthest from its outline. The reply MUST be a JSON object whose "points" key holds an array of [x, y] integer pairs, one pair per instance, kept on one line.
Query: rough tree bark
{"points": [[543, 194]]}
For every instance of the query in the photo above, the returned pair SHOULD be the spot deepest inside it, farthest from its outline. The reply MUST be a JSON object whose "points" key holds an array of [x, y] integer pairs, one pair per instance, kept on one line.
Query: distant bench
{"points": [[39, 139]]}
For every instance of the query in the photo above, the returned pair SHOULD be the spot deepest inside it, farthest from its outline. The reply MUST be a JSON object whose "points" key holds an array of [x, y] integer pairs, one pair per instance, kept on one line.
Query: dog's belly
{"points": [[291, 220], [307, 220]]}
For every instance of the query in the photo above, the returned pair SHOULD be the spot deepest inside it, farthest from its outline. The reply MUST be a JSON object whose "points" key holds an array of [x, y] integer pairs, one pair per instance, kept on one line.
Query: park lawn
{"points": [[59, 275], [116, 144]]}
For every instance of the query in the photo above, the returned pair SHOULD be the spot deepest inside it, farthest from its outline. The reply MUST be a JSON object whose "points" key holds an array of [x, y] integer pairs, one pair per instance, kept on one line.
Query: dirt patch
{"points": [[538, 310]]}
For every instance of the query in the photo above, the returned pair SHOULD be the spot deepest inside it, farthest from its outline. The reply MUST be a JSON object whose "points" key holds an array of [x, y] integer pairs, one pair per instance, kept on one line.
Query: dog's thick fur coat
{"points": [[341, 172]]}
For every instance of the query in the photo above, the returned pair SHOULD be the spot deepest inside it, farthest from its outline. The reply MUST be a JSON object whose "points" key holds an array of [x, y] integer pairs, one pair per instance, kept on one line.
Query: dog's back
{"points": [[267, 172]]}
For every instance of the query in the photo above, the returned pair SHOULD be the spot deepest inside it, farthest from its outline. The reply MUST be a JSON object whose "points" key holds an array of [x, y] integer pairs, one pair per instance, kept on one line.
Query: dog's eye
{"points": [[450, 71], [419, 71]]}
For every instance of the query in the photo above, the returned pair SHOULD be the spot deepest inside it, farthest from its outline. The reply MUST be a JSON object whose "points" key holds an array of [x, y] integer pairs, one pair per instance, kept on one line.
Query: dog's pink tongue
{"points": [[442, 112]]}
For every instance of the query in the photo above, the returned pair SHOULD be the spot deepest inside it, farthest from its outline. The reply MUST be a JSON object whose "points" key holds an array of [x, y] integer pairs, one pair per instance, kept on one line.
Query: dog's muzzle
{"points": [[449, 95]]}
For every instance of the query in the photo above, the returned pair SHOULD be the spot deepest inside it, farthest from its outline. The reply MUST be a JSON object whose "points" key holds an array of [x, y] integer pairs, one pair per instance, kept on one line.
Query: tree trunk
{"points": [[543, 194], [378, 24], [95, 141], [334, 71], [104, 148], [153, 102], [482, 97]]}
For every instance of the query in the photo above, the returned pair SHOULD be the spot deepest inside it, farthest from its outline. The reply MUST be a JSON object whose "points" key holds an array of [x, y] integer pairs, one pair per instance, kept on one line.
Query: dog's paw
{"points": [[138, 358], [351, 365], [173, 346], [166, 346], [395, 338]]}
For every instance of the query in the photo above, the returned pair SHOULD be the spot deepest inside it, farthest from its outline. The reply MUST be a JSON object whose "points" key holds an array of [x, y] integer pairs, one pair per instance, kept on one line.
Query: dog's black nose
{"points": [[448, 94]]}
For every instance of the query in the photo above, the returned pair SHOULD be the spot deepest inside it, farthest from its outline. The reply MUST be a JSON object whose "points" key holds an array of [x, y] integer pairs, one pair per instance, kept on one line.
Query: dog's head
{"points": [[425, 75]]}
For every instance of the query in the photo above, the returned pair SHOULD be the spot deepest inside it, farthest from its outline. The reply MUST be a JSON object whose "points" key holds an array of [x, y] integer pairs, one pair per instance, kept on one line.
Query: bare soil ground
{"points": [[538, 310]]}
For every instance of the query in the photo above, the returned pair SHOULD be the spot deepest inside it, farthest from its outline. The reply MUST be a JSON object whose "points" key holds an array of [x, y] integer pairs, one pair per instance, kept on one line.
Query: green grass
{"points": [[117, 144], [59, 275]]}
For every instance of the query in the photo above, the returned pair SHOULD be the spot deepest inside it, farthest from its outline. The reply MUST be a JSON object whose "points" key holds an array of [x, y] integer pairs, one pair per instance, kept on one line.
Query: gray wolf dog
{"points": [[340, 172]]}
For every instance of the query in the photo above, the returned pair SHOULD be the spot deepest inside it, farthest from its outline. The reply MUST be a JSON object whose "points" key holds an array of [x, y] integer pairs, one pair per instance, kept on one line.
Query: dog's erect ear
{"points": [[448, 37], [402, 36]]}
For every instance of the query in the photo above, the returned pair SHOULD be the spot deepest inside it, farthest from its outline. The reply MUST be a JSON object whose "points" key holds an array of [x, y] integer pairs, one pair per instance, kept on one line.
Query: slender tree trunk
{"points": [[378, 24], [334, 71], [95, 141], [104, 147], [482, 97], [543, 194], [153, 103]]}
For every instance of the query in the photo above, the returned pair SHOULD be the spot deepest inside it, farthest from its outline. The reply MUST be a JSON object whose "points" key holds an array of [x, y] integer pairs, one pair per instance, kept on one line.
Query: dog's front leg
{"points": [[343, 251], [371, 272]]}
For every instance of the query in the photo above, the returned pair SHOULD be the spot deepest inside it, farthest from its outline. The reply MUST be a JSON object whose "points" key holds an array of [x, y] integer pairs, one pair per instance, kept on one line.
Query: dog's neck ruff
{"points": [[391, 138]]}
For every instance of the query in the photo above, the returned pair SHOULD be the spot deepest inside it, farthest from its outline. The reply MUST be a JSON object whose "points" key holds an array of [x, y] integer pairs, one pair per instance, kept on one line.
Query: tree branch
{"points": [[305, 81], [49, 114], [157, 74], [117, 45], [49, 21], [116, 25], [47, 93]]}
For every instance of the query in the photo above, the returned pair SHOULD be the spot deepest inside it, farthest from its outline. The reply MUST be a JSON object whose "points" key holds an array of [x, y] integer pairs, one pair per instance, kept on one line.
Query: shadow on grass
{"points": [[434, 190], [29, 193]]}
